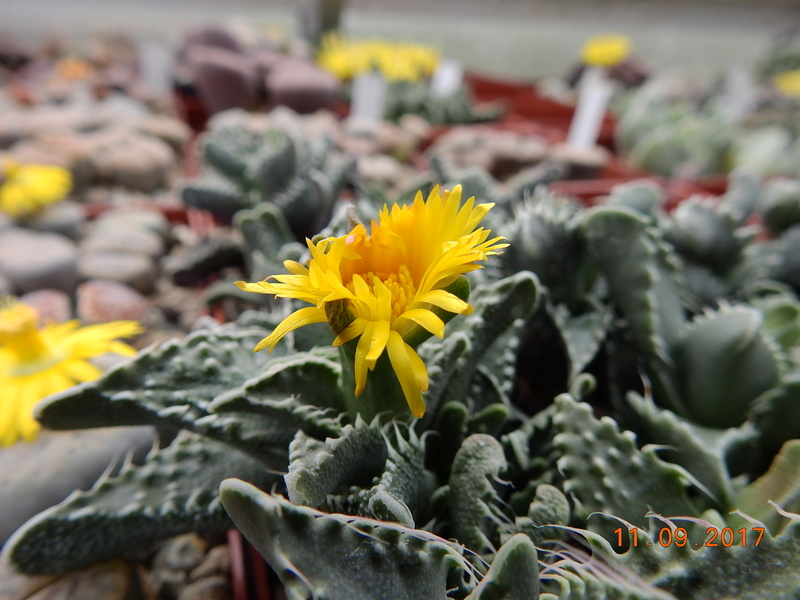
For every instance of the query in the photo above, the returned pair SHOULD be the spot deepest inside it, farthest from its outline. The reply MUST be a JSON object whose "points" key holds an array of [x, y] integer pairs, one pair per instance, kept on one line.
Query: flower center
{"points": [[20, 337], [401, 288]]}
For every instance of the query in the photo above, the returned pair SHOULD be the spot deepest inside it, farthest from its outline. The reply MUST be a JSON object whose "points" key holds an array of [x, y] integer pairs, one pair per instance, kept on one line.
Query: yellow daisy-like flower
{"points": [[73, 69], [24, 189], [387, 283], [605, 50], [788, 83], [395, 61], [36, 362]]}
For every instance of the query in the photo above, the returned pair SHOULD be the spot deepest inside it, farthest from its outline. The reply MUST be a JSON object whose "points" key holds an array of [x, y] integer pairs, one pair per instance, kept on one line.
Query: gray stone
{"points": [[301, 85], [53, 306], [100, 301], [140, 218], [174, 132], [70, 149], [125, 157], [122, 237], [66, 218], [35, 476], [35, 261], [135, 270]]}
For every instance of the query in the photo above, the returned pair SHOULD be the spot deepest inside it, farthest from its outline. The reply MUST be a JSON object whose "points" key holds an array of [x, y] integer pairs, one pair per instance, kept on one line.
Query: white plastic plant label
{"points": [[368, 103], [447, 78], [594, 94]]}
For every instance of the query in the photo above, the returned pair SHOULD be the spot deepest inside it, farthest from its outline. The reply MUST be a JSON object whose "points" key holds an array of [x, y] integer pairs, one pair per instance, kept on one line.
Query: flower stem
{"points": [[382, 393]]}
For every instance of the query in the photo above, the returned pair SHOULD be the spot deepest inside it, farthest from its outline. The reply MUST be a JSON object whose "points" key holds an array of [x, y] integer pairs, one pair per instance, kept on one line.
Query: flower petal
{"points": [[425, 319], [353, 330], [445, 301], [361, 355], [406, 369], [299, 318], [380, 335]]}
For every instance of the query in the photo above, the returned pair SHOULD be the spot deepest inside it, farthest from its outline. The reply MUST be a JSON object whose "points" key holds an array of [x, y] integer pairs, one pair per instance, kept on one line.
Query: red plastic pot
{"points": [[591, 192]]}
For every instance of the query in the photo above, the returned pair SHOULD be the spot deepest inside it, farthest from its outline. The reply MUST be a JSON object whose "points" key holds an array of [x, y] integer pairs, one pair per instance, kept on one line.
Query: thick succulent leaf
{"points": [[576, 575], [473, 498], [403, 491], [265, 234], [226, 148], [723, 363], [582, 334], [173, 385], [318, 467], [548, 510], [470, 341], [683, 444], [644, 285], [761, 566], [514, 574], [780, 485], [301, 389], [776, 414], [175, 491], [337, 557], [604, 471], [707, 233], [216, 195], [273, 163], [641, 277]]}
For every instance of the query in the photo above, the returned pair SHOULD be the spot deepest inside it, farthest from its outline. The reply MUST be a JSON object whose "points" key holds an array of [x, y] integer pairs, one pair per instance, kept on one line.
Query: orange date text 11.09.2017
{"points": [[678, 536]]}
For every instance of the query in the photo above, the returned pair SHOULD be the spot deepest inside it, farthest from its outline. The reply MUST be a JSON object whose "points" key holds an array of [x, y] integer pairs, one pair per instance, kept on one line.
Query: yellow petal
{"points": [[353, 330], [259, 287], [425, 319], [405, 368], [80, 370], [361, 354], [445, 301], [380, 335], [299, 318]]}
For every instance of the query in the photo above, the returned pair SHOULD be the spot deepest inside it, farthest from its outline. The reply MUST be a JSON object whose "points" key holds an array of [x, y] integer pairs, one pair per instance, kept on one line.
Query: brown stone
{"points": [[100, 301], [53, 306]]}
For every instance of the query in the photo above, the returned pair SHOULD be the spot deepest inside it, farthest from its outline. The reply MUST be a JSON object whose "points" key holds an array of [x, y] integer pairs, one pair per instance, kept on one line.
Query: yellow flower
{"points": [[389, 282], [73, 69], [24, 189], [605, 50], [395, 61], [36, 362], [788, 83]]}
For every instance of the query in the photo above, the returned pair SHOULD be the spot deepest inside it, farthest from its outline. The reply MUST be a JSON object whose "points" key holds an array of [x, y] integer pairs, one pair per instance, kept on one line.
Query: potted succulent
{"points": [[609, 406]]}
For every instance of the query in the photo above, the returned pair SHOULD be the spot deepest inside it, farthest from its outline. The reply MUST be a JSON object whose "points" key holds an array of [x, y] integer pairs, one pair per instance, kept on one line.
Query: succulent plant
{"points": [[411, 97], [245, 166], [597, 421]]}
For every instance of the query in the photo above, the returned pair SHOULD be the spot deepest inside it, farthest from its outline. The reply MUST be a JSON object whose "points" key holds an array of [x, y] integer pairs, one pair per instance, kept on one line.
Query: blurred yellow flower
{"points": [[73, 69], [788, 83], [395, 61], [36, 362], [24, 189], [605, 50], [385, 284]]}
